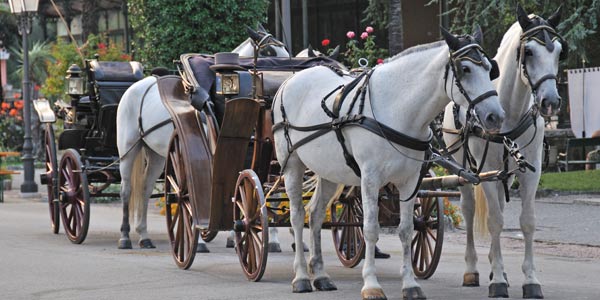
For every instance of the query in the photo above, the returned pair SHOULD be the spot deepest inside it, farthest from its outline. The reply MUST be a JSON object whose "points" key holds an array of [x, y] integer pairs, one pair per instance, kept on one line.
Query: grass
{"points": [[584, 181]]}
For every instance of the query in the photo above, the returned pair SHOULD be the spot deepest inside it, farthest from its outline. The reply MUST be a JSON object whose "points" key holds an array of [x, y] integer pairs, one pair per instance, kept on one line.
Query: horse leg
{"points": [[494, 193], [293, 185], [410, 288], [126, 169], [304, 246], [467, 201], [230, 243], [274, 245], [318, 205], [154, 167], [529, 182], [369, 191]]}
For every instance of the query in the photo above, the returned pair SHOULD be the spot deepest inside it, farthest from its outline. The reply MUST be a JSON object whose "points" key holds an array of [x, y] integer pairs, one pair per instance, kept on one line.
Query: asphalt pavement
{"points": [[36, 264]]}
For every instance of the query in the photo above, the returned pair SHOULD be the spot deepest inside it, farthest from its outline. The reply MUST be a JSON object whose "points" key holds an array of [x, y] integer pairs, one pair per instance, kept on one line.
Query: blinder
{"points": [[564, 53], [457, 61], [495, 71]]}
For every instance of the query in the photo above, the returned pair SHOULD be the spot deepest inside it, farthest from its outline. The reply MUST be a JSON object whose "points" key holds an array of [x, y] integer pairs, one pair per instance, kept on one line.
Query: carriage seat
{"points": [[112, 78]]}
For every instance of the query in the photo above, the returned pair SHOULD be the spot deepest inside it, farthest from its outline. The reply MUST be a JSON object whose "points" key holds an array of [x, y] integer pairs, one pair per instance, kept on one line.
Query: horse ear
{"points": [[522, 17], [335, 53], [253, 34], [261, 28], [478, 35], [554, 19], [451, 40], [311, 52]]}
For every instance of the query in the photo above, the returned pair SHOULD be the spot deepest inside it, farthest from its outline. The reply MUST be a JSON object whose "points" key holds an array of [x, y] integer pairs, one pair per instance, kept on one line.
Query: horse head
{"points": [[540, 50], [472, 72], [267, 44]]}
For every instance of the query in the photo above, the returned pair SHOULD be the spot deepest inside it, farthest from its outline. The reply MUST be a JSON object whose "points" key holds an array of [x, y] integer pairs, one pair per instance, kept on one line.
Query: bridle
{"points": [[268, 40]]}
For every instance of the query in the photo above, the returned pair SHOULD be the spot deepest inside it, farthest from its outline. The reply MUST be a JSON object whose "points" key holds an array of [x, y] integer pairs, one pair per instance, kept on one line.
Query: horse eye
{"points": [[528, 52], [466, 70]]}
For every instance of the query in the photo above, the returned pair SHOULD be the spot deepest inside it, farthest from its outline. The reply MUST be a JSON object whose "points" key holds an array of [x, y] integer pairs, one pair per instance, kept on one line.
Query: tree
{"points": [[165, 29], [579, 25], [395, 27], [89, 18]]}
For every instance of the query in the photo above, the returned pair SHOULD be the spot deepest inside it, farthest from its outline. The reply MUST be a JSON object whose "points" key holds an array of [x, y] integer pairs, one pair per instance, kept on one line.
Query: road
{"points": [[36, 264]]}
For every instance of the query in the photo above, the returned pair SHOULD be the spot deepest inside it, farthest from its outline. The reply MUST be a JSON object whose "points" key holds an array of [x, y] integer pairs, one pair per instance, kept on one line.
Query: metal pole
{"points": [[287, 24], [278, 20], [305, 23], [29, 185]]}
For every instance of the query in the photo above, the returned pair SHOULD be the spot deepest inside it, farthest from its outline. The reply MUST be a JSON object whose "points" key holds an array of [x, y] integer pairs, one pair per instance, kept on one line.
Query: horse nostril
{"points": [[493, 120]]}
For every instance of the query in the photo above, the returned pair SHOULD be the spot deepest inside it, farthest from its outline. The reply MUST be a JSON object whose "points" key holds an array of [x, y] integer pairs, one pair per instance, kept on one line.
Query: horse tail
{"points": [[137, 185], [480, 226]]}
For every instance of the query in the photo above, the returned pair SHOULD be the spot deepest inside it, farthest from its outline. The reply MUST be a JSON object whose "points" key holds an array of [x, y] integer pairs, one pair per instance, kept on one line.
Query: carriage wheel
{"points": [[208, 235], [74, 197], [251, 225], [182, 231], [52, 178], [348, 240], [428, 235]]}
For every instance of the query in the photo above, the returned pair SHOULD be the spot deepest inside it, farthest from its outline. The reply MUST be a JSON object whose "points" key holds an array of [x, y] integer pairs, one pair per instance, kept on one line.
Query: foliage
{"points": [[579, 25], [453, 212], [11, 125], [363, 48], [165, 29], [39, 57], [65, 54], [377, 13], [584, 181]]}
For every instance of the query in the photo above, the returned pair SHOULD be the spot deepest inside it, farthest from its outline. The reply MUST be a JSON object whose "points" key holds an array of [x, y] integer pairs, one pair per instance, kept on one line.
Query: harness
{"points": [[527, 120], [338, 122]]}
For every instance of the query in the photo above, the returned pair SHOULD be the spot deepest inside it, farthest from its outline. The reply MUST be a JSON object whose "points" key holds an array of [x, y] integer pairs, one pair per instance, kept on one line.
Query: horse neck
{"points": [[515, 95], [408, 93], [245, 48]]}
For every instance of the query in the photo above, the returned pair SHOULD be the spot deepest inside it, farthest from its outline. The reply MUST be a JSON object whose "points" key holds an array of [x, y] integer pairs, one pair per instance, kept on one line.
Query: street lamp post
{"points": [[24, 10]]}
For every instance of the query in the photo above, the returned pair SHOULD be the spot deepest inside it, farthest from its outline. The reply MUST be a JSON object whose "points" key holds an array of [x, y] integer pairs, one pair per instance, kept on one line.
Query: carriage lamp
{"points": [[75, 82], [228, 83]]}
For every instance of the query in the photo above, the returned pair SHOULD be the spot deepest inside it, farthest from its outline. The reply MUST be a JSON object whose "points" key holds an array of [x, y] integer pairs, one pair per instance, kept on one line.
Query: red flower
{"points": [[13, 112], [125, 57], [325, 42], [379, 61], [5, 105], [17, 95], [36, 87], [19, 104], [101, 46]]}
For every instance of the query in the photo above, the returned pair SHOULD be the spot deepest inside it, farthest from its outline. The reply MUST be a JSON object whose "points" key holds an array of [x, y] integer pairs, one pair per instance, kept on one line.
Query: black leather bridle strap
{"points": [[536, 85], [483, 96]]}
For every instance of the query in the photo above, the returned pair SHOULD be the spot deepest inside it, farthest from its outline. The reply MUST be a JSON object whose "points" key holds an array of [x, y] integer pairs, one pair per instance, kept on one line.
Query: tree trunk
{"points": [[395, 30], [89, 18]]}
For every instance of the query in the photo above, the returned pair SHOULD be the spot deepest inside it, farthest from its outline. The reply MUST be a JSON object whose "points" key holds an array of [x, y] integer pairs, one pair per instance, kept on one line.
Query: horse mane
{"points": [[416, 49]]}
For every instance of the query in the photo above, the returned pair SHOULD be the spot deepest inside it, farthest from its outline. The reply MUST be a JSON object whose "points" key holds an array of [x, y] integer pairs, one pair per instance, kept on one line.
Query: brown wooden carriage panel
{"points": [[239, 122], [194, 146]]}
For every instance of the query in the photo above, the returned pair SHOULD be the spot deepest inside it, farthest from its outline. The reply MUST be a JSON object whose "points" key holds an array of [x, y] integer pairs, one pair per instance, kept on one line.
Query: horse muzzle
{"points": [[549, 105]]}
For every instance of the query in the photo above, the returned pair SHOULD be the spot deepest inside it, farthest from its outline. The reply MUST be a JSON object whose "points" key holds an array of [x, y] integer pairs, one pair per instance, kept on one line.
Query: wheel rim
{"points": [[208, 235], [349, 241], [75, 197], [250, 219], [52, 178], [428, 236], [183, 234]]}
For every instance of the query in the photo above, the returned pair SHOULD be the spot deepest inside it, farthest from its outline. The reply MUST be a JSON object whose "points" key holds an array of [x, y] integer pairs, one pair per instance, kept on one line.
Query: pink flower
{"points": [[350, 34], [364, 35], [369, 29], [379, 61], [325, 42]]}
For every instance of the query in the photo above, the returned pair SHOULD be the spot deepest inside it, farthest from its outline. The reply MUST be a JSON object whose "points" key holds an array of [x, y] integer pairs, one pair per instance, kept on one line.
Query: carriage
{"points": [[221, 172], [89, 162]]}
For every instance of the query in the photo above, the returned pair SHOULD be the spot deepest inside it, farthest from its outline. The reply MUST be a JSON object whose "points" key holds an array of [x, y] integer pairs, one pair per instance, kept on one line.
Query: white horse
{"points": [[143, 157], [528, 59], [404, 94]]}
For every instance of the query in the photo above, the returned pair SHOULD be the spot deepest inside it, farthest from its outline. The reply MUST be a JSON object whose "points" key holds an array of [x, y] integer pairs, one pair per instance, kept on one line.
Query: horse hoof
{"points": [[303, 246], [498, 290], [413, 293], [202, 248], [146, 244], [532, 291], [229, 244], [380, 254], [125, 244], [274, 247], [324, 284], [503, 274], [471, 279], [301, 286], [373, 294]]}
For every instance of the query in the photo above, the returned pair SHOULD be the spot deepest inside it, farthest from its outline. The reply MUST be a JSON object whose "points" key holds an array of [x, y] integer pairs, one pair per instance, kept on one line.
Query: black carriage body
{"points": [[90, 121]]}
